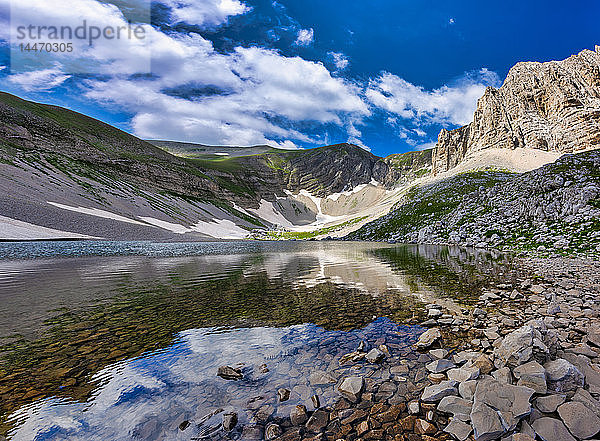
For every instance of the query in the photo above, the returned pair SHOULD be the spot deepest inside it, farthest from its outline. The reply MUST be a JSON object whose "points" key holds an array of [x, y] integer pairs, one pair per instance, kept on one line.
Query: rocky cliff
{"points": [[553, 106]]}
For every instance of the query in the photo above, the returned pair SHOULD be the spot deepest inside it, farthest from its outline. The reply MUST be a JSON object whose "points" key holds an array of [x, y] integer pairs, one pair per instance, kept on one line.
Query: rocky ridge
{"points": [[553, 106], [554, 209]]}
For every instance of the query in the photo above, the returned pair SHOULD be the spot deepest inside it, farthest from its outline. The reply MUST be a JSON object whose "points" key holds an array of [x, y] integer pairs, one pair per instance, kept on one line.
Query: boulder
{"points": [[549, 403], [375, 356], [550, 429], [562, 376], [517, 347], [458, 429], [229, 373], [428, 338], [458, 407], [351, 388], [439, 366], [436, 392], [498, 405], [531, 375], [580, 421], [463, 374]]}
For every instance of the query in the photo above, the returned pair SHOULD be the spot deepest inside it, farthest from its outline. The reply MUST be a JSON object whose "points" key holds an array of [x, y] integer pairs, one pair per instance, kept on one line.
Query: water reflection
{"points": [[131, 339]]}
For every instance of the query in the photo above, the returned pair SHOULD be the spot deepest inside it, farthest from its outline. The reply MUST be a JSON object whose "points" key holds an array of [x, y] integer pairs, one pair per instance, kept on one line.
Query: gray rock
{"points": [[439, 366], [562, 376], [457, 407], [463, 374], [436, 392], [580, 421], [321, 378], [517, 347], [375, 356], [229, 373], [458, 429], [583, 396], [590, 372], [549, 403], [428, 338], [351, 388], [531, 375], [467, 389], [508, 404], [438, 353], [486, 423], [550, 429], [593, 335], [503, 375]]}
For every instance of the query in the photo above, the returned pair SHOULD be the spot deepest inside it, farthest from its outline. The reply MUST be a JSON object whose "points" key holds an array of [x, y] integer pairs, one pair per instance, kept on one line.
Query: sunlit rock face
{"points": [[553, 106]]}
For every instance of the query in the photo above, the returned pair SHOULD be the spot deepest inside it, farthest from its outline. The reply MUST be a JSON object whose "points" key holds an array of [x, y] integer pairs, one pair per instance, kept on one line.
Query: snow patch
{"points": [[12, 229], [97, 212], [268, 212]]}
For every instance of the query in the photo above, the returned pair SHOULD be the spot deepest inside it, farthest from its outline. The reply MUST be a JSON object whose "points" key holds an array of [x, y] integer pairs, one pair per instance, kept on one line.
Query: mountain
{"points": [[65, 175], [524, 175], [555, 208], [553, 107]]}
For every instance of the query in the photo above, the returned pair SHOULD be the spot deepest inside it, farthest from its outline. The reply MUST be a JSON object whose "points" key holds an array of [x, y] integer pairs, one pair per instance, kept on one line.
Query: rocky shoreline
{"points": [[521, 363]]}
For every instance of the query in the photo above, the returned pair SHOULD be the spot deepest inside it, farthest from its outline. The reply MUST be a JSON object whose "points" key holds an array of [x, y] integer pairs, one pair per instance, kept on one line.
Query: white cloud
{"points": [[305, 37], [205, 12], [448, 105], [451, 21], [265, 96], [340, 60], [39, 80]]}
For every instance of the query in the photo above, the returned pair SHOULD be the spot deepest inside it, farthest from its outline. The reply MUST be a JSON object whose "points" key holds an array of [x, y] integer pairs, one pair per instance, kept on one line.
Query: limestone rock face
{"points": [[553, 106]]}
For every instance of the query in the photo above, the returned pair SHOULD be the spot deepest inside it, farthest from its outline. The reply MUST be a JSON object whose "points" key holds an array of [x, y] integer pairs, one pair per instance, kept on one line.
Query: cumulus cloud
{"points": [[263, 95], [205, 12], [305, 37], [40, 80], [340, 60], [449, 105]]}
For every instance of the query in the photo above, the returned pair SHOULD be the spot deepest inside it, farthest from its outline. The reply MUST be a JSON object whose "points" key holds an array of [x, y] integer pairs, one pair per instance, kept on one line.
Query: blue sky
{"points": [[384, 74]]}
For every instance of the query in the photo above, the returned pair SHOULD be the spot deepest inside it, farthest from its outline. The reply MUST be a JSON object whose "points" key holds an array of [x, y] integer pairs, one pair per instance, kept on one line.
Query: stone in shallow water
{"points": [[549, 403], [439, 366], [550, 429], [562, 376], [436, 392], [352, 387], [272, 431], [318, 420], [458, 429], [283, 394], [321, 378], [580, 421], [375, 356], [428, 338], [229, 373], [298, 415], [230, 420]]}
